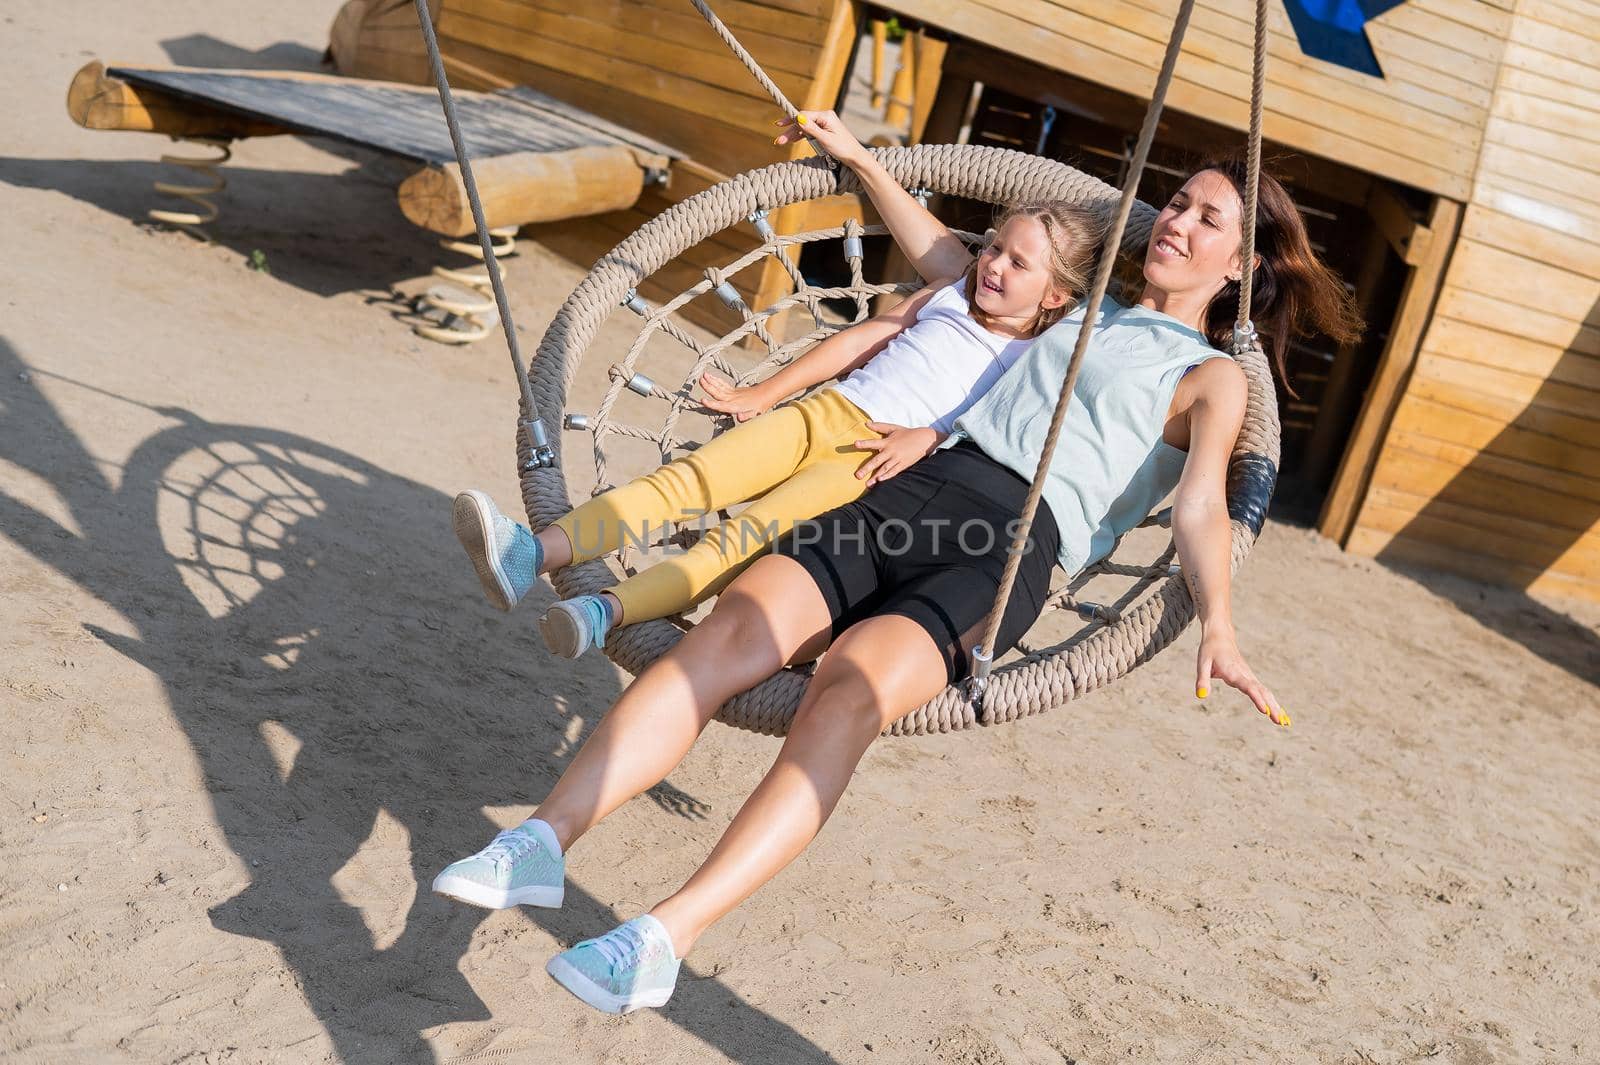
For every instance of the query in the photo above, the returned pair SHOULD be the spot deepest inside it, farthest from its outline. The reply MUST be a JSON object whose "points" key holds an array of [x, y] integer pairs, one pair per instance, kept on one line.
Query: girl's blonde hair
{"points": [[1075, 235]]}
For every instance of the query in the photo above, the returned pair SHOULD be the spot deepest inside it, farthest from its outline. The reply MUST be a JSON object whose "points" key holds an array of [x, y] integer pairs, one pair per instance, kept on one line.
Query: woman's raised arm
{"points": [[1202, 534], [932, 249]]}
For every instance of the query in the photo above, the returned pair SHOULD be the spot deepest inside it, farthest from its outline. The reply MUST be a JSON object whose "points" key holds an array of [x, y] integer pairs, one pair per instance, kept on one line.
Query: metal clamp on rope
{"points": [[730, 296], [758, 218], [920, 194], [852, 247], [1244, 336], [641, 384], [636, 303], [540, 453], [576, 422], [978, 681]]}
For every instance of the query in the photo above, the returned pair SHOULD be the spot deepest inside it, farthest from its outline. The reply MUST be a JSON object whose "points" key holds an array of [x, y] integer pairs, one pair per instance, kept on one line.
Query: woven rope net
{"points": [[1116, 635]]}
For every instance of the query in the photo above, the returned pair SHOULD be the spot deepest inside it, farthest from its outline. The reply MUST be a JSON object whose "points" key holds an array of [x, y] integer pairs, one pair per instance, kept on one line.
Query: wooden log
{"points": [[527, 187], [95, 100]]}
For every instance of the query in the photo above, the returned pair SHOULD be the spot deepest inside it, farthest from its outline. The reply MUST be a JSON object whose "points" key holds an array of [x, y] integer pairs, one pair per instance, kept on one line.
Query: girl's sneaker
{"points": [[574, 625], [505, 554], [518, 868], [629, 967]]}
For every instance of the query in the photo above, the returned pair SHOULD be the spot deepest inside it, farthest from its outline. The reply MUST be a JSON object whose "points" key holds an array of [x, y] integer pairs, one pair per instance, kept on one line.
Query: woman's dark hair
{"points": [[1292, 292]]}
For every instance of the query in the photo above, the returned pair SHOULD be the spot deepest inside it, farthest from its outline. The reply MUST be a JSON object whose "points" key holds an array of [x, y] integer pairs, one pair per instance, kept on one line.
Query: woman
{"points": [[897, 621]]}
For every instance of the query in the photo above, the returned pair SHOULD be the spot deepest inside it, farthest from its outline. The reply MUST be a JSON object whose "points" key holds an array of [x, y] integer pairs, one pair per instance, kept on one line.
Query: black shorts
{"points": [[930, 544]]}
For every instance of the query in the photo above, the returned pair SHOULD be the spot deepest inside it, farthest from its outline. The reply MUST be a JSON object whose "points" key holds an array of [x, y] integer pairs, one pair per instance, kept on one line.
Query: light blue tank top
{"points": [[1111, 466]]}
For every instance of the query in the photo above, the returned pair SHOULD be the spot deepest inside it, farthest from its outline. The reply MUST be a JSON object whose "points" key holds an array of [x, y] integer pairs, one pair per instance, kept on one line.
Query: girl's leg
{"points": [[741, 464], [679, 581], [878, 671], [772, 615]]}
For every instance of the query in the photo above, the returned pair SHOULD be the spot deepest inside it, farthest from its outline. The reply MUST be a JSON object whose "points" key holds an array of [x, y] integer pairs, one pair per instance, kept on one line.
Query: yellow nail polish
{"points": [[1200, 693], [1285, 719], [800, 119], [777, 140]]}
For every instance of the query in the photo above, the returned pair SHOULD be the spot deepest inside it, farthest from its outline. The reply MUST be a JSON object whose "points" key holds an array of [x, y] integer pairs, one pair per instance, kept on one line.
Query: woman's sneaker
{"points": [[518, 868], [574, 625], [629, 967], [504, 553]]}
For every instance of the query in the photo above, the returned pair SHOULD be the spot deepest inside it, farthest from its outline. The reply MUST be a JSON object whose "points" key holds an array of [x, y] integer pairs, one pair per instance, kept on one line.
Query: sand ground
{"points": [[251, 699]]}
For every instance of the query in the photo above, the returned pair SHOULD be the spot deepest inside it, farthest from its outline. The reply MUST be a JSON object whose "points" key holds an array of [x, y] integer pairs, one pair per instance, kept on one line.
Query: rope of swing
{"points": [[485, 240], [983, 653]]}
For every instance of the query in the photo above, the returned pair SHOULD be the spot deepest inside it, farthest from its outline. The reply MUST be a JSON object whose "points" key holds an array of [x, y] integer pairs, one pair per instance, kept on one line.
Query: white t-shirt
{"points": [[936, 369]]}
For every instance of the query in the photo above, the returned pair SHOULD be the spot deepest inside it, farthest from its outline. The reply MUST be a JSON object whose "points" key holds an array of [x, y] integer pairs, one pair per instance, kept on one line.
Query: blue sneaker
{"points": [[574, 625], [505, 554], [630, 966], [516, 869]]}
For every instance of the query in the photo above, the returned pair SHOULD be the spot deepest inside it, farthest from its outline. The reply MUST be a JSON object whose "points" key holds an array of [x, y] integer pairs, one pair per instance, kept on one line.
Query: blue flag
{"points": [[1336, 30]]}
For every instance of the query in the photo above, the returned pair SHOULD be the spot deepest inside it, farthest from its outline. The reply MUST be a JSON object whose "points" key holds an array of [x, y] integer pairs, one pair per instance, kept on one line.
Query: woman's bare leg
{"points": [[874, 674], [772, 615]]}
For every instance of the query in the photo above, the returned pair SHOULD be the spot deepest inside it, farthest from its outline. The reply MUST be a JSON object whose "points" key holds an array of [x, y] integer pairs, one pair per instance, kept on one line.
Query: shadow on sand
{"points": [[233, 553]]}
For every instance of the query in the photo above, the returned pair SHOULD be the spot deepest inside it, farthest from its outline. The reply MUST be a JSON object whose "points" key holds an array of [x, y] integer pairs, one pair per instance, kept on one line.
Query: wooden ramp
{"points": [[535, 157]]}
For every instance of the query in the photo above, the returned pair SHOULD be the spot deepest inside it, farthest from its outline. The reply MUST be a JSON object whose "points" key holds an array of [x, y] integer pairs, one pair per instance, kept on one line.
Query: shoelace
{"points": [[621, 946], [509, 846]]}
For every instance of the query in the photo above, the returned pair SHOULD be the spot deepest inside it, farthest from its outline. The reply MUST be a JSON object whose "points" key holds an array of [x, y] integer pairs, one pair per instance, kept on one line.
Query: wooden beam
{"points": [[95, 100], [1341, 508], [1409, 237], [527, 187]]}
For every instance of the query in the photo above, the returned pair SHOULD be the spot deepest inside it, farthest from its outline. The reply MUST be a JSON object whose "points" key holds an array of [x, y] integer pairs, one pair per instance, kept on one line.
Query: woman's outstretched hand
{"points": [[828, 130], [1220, 658], [897, 449], [743, 403]]}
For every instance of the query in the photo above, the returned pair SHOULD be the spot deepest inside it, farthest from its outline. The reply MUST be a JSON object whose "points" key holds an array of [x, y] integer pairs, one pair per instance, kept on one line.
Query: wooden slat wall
{"points": [[1421, 124], [655, 65], [1492, 464]]}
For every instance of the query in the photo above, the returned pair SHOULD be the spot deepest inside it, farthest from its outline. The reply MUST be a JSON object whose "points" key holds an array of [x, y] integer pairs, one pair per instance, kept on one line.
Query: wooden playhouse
{"points": [[1452, 174]]}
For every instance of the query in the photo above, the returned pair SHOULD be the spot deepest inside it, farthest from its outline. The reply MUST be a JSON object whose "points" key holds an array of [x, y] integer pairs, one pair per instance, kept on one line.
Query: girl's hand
{"points": [[829, 131], [897, 449], [743, 403], [1220, 658]]}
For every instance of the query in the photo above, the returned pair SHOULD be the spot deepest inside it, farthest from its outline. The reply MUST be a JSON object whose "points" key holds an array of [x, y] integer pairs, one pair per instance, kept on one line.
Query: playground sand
{"points": [[251, 701]]}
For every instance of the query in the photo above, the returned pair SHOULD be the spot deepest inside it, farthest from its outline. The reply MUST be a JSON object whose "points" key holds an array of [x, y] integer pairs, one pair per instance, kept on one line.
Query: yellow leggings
{"points": [[795, 462]]}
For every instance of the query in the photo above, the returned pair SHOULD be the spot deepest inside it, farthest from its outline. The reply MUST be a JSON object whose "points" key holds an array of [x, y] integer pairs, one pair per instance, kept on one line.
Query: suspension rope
{"points": [[750, 64], [983, 654], [485, 239], [1243, 329]]}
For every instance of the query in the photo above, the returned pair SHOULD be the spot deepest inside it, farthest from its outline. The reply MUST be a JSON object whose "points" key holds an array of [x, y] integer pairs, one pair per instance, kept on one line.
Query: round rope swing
{"points": [[1117, 636]]}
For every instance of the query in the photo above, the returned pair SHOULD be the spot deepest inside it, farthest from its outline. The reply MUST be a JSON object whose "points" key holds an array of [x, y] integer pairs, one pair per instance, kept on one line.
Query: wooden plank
{"points": [[1510, 352], [1552, 395], [1523, 526], [1561, 17], [1524, 281], [1428, 467], [1515, 196], [1463, 39], [1556, 40], [715, 82], [1459, 529], [1410, 239], [1496, 22], [1069, 50], [1547, 114], [1492, 313], [525, 187], [1574, 253], [1521, 57], [1389, 377], [1539, 84], [1543, 144], [1529, 414], [712, 142], [681, 27], [1495, 436], [1226, 40], [1373, 544]]}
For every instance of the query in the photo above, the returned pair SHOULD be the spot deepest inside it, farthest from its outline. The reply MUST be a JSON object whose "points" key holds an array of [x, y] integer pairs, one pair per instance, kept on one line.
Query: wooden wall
{"points": [[1491, 465], [656, 66], [1422, 124]]}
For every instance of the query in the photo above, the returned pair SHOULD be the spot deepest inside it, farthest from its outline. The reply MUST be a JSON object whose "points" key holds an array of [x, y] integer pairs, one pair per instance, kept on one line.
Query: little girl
{"points": [[908, 374]]}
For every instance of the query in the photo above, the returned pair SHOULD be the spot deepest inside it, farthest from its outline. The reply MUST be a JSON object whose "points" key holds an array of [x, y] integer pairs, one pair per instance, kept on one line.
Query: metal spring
{"points": [[203, 167], [464, 311]]}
